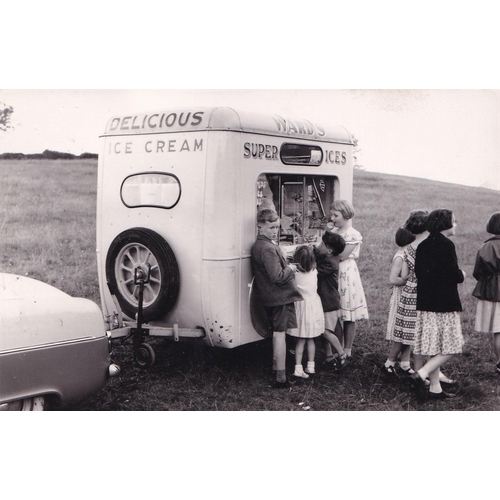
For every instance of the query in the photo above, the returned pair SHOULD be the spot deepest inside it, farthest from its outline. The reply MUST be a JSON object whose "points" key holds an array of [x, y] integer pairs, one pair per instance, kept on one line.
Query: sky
{"points": [[445, 135]]}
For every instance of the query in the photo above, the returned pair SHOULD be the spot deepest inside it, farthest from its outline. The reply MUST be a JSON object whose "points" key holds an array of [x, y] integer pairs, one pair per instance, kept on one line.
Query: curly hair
{"points": [[439, 220], [416, 222]]}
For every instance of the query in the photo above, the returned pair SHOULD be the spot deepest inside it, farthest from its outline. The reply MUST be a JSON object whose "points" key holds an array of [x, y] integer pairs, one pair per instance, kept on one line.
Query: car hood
{"points": [[33, 313]]}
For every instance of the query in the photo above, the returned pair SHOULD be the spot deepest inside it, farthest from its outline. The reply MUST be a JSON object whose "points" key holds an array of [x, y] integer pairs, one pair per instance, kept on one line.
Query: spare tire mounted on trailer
{"points": [[146, 249]]}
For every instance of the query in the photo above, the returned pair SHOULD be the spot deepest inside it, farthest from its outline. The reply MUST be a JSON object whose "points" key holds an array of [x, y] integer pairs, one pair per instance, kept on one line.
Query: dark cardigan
{"points": [[327, 265], [274, 280], [437, 272], [487, 271]]}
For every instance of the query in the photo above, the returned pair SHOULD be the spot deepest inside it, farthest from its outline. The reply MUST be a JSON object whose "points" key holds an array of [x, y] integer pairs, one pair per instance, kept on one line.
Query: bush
{"points": [[12, 156], [56, 155], [88, 156]]}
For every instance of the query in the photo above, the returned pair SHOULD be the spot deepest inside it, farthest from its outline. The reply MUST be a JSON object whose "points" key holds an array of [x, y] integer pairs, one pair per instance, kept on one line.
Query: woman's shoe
{"points": [[407, 371], [390, 370], [300, 374], [443, 379], [418, 382], [440, 395]]}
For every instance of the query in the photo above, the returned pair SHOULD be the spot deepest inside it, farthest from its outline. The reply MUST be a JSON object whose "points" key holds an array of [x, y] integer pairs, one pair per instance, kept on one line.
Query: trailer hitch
{"points": [[144, 355]]}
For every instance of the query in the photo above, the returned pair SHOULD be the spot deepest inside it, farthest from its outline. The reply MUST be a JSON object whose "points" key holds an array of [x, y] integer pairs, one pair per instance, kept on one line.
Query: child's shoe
{"points": [[311, 368], [408, 370], [390, 370], [330, 364], [299, 372], [342, 362], [281, 385]]}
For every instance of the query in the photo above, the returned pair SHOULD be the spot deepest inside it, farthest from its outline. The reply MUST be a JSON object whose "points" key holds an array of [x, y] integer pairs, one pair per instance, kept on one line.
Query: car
{"points": [[53, 347]]}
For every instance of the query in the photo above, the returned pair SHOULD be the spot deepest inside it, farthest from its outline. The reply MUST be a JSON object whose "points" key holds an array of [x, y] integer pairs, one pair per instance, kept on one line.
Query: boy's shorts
{"points": [[331, 320], [282, 317]]}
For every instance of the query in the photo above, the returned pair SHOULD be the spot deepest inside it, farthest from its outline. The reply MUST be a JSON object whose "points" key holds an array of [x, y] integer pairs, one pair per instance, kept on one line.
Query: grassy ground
{"points": [[48, 233], [47, 223]]}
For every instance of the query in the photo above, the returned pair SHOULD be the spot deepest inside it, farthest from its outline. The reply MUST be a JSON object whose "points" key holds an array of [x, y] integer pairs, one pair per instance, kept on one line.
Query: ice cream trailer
{"points": [[178, 195]]}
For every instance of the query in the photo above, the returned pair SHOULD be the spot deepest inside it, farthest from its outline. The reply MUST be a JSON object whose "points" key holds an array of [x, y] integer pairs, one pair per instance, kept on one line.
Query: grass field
{"points": [[48, 233]]}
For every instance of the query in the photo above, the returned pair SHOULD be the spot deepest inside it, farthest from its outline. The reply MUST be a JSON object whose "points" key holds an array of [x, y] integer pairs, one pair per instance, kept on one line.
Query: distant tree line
{"points": [[5, 115], [48, 155]]}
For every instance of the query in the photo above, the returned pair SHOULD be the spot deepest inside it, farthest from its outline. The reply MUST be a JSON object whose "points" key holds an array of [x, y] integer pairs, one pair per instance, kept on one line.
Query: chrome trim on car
{"points": [[49, 344]]}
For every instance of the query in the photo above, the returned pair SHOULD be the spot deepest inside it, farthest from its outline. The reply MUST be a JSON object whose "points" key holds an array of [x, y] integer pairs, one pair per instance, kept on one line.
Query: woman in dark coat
{"points": [[438, 331], [487, 289]]}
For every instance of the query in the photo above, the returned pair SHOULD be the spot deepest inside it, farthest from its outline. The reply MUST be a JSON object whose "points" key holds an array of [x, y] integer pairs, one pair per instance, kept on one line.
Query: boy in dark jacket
{"points": [[274, 282], [327, 264]]}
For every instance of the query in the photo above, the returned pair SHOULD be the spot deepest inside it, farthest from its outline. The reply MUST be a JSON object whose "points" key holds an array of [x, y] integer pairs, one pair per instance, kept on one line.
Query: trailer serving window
{"points": [[301, 154], [301, 201]]}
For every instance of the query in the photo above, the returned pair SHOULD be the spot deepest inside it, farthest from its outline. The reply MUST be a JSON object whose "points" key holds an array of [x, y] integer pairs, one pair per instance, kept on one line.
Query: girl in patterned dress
{"points": [[438, 331], [406, 312], [352, 296], [309, 312], [403, 238]]}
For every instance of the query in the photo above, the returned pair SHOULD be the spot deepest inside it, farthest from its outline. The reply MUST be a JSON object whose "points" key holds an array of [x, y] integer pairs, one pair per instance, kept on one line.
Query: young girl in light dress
{"points": [[309, 312], [487, 290], [403, 238], [352, 296]]}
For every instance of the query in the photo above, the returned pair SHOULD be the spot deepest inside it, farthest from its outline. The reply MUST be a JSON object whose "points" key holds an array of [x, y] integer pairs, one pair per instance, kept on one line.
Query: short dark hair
{"points": [[404, 237], [493, 226], [416, 222], [439, 220], [304, 256], [334, 241], [267, 215]]}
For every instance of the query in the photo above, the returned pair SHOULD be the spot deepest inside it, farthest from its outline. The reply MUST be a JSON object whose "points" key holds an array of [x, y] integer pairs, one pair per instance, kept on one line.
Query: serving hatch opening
{"points": [[301, 201]]}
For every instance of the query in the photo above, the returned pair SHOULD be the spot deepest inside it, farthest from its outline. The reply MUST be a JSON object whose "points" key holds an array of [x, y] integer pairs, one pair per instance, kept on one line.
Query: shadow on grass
{"points": [[193, 377]]}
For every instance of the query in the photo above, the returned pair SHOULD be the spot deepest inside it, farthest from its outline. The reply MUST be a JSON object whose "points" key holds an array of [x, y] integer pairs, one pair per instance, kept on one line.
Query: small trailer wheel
{"points": [[144, 356]]}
